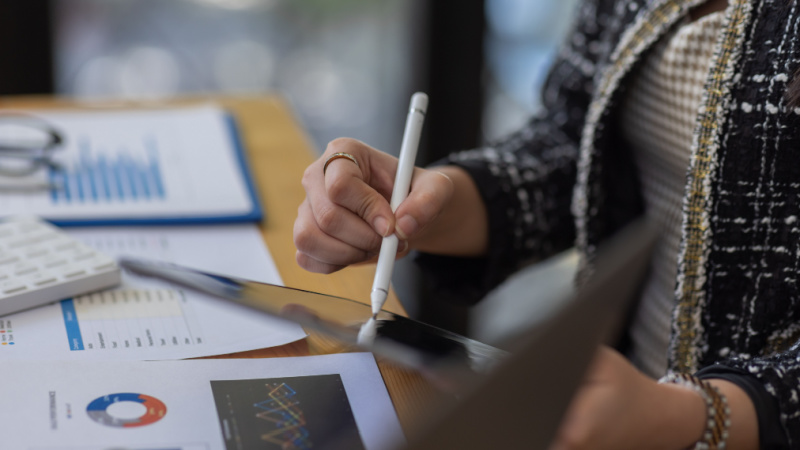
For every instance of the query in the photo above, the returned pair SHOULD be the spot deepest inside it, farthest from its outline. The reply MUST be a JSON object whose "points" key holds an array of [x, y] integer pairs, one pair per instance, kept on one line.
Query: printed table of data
{"points": [[130, 319]]}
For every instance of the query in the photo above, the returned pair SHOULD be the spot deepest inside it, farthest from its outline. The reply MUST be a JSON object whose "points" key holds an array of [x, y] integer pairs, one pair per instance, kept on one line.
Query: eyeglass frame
{"points": [[40, 155]]}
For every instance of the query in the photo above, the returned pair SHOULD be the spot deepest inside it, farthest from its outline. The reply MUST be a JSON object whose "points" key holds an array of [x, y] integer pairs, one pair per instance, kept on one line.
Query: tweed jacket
{"points": [[567, 178]]}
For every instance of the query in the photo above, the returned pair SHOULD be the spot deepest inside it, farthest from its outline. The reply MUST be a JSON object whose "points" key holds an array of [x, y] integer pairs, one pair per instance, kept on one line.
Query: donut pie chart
{"points": [[155, 409]]}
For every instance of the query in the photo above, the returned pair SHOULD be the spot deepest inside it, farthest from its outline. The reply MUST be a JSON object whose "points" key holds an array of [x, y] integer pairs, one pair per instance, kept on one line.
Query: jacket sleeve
{"points": [[771, 434], [526, 180], [778, 375]]}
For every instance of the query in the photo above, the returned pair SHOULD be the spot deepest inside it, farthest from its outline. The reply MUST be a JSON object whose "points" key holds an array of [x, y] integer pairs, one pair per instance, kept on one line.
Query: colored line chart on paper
{"points": [[283, 411], [293, 412]]}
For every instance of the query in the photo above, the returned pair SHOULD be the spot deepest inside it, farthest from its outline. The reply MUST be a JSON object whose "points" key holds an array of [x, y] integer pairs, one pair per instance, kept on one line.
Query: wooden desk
{"points": [[279, 151]]}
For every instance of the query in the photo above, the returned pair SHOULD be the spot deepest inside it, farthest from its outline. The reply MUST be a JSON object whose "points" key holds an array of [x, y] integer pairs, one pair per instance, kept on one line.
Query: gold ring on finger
{"points": [[336, 156]]}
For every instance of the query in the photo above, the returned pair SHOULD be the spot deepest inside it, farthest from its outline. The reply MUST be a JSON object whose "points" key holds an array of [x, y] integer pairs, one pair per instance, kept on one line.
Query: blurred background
{"points": [[348, 67]]}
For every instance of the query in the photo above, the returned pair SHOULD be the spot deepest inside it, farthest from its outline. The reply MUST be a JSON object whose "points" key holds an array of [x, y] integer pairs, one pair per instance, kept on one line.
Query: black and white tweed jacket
{"points": [[568, 179]]}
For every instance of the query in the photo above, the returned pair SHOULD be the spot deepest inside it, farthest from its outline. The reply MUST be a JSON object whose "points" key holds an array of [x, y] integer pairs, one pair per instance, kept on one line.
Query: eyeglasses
{"points": [[27, 144]]}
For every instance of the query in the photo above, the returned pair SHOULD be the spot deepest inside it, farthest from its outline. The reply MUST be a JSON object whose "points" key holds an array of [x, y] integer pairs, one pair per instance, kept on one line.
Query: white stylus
{"points": [[402, 183]]}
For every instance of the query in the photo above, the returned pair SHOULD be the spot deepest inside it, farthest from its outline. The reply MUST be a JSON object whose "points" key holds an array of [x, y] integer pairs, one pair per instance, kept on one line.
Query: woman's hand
{"points": [[346, 211], [619, 408]]}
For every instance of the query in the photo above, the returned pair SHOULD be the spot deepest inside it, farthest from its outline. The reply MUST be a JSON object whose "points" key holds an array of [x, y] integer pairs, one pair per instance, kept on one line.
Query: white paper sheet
{"points": [[168, 164], [150, 319], [198, 405]]}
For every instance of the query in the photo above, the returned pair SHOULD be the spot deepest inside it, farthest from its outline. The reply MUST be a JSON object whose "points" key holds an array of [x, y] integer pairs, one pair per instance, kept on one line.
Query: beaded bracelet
{"points": [[715, 435]]}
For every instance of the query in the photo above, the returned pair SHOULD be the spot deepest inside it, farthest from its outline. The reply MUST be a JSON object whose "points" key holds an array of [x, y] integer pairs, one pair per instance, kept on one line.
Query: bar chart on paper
{"points": [[98, 177], [130, 319], [142, 166]]}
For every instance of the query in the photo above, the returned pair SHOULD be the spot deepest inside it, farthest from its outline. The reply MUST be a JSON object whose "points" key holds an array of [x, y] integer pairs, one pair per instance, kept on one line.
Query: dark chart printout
{"points": [[310, 412]]}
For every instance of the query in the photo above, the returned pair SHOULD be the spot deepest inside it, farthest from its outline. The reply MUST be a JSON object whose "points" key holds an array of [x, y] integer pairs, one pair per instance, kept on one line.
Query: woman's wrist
{"points": [[684, 413], [744, 421]]}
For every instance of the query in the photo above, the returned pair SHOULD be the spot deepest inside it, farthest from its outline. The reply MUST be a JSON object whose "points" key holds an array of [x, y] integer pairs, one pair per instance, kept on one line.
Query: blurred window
{"points": [[342, 63], [522, 37]]}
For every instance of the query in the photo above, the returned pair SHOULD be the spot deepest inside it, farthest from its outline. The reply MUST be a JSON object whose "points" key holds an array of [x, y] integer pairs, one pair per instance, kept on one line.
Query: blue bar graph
{"points": [[104, 177], [71, 325]]}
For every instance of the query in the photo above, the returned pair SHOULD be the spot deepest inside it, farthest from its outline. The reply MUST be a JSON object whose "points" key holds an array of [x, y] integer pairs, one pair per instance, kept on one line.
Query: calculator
{"points": [[40, 264]]}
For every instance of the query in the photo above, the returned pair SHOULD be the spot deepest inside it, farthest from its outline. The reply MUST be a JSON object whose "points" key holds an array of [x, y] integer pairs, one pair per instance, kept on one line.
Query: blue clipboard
{"points": [[160, 166], [255, 214]]}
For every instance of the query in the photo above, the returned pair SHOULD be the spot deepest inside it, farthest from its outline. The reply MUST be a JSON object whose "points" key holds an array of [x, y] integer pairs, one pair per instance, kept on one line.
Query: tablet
{"points": [[450, 360], [506, 398]]}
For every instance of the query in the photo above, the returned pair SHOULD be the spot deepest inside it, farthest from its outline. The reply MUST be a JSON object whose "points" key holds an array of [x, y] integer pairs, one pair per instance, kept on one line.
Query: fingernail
{"points": [[406, 226], [381, 226]]}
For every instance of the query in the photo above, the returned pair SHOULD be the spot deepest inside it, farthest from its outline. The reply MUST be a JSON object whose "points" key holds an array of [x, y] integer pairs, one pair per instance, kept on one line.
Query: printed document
{"points": [[141, 166], [151, 319], [331, 401]]}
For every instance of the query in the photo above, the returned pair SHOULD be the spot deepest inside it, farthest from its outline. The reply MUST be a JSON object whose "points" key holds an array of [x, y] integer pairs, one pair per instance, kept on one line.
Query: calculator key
{"points": [[45, 237], [24, 268], [99, 262], [22, 242], [8, 258], [82, 256], [40, 278], [29, 226], [51, 261], [36, 251], [73, 273], [65, 244], [102, 265], [75, 252], [11, 286]]}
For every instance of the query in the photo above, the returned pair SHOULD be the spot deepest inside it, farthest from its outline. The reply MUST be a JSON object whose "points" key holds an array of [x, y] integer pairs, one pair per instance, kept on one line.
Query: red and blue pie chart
{"points": [[154, 411]]}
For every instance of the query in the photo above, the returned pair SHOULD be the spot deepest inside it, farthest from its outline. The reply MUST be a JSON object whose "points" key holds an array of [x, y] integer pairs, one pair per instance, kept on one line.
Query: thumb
{"points": [[377, 212], [346, 188], [430, 191]]}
